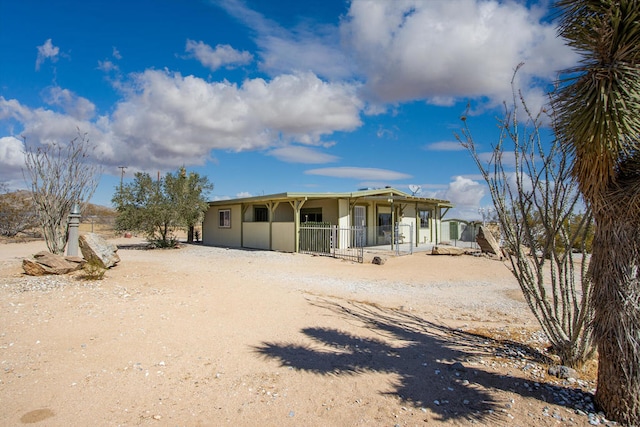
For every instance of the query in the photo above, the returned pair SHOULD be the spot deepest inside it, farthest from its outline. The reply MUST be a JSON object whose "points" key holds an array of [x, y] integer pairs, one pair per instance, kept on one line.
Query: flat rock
{"points": [[32, 268], [95, 248], [448, 250], [47, 263]]}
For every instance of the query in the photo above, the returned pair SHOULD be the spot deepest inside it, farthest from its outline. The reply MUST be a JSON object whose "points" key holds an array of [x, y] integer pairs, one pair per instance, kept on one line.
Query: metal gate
{"points": [[330, 240], [397, 239], [403, 244]]}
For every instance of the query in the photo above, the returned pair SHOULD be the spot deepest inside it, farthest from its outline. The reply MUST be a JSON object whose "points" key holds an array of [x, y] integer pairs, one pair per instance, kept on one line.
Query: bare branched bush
{"points": [[17, 213], [59, 176], [536, 202]]}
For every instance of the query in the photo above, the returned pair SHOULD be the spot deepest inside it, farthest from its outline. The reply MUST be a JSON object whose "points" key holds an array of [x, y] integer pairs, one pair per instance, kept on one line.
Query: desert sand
{"points": [[203, 336]]}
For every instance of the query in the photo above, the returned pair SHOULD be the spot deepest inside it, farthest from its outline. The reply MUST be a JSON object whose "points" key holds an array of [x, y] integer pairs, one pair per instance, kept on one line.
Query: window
{"points": [[384, 220], [224, 218], [384, 224], [260, 214], [311, 215], [424, 218]]}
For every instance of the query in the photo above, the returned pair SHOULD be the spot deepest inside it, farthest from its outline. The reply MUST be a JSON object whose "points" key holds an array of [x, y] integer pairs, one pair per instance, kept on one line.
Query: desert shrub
{"points": [[537, 201], [93, 269], [17, 213], [164, 243]]}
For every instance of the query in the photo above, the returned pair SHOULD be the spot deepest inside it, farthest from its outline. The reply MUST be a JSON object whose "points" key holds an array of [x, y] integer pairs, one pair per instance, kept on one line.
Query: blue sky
{"points": [[268, 97]]}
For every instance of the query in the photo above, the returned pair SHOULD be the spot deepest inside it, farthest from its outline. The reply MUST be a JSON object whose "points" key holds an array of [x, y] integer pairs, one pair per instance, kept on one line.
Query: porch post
{"points": [[393, 224], [417, 233], [297, 205], [243, 210]]}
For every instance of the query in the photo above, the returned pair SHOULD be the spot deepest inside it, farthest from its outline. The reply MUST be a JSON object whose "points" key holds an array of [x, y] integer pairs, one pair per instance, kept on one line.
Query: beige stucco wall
{"points": [[256, 235], [344, 214], [283, 235], [213, 235], [329, 209], [425, 235], [283, 213]]}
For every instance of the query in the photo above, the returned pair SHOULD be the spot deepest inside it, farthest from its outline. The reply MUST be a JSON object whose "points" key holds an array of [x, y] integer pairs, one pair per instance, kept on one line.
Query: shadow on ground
{"points": [[438, 368]]}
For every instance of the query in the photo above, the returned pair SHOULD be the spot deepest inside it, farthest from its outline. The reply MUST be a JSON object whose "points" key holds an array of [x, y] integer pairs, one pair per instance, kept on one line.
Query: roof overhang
{"points": [[382, 194]]}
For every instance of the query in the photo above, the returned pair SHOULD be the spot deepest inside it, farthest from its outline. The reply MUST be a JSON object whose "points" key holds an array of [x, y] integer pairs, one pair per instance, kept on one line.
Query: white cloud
{"points": [[221, 56], [11, 158], [46, 51], [44, 126], [466, 195], [107, 66], [304, 106], [300, 154], [464, 192], [181, 119], [404, 50], [439, 51], [167, 120], [76, 106], [304, 51], [386, 133], [526, 182], [359, 173], [307, 47], [445, 50], [444, 146], [508, 158], [474, 177]]}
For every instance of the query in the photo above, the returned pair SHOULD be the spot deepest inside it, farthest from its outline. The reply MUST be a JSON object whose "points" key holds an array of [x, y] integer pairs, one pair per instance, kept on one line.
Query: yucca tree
{"points": [[599, 110]]}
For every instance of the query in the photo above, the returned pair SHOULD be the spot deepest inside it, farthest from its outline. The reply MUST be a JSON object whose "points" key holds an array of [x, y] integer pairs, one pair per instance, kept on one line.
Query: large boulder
{"points": [[96, 249], [47, 263], [487, 242]]}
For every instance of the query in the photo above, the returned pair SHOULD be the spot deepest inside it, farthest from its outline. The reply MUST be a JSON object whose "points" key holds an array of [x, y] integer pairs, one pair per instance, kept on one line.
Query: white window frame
{"points": [[224, 218], [428, 221]]}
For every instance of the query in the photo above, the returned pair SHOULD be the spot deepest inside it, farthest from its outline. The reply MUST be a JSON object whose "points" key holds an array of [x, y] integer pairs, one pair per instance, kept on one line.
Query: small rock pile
{"points": [[95, 250]]}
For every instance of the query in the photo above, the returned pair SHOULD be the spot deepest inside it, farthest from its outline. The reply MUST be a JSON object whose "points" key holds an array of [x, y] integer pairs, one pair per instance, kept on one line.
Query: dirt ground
{"points": [[202, 336]]}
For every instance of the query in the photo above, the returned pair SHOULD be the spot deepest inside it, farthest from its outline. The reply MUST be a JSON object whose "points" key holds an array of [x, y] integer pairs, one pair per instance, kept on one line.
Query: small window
{"points": [[260, 214], [424, 218], [311, 215], [224, 218]]}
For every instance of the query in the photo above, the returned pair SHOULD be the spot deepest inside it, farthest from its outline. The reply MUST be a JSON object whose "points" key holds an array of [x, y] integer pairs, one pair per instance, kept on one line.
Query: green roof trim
{"points": [[395, 194]]}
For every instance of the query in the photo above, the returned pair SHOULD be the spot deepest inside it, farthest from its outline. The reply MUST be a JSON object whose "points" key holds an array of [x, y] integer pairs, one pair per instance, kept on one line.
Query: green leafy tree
{"points": [[158, 208], [186, 190], [599, 124]]}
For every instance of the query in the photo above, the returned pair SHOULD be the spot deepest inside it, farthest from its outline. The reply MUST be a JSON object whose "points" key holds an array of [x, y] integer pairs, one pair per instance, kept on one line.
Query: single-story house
{"points": [[273, 222]]}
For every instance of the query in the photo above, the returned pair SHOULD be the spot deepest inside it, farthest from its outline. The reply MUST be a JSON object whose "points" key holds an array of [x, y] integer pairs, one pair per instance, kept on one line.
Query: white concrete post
{"points": [[74, 223]]}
